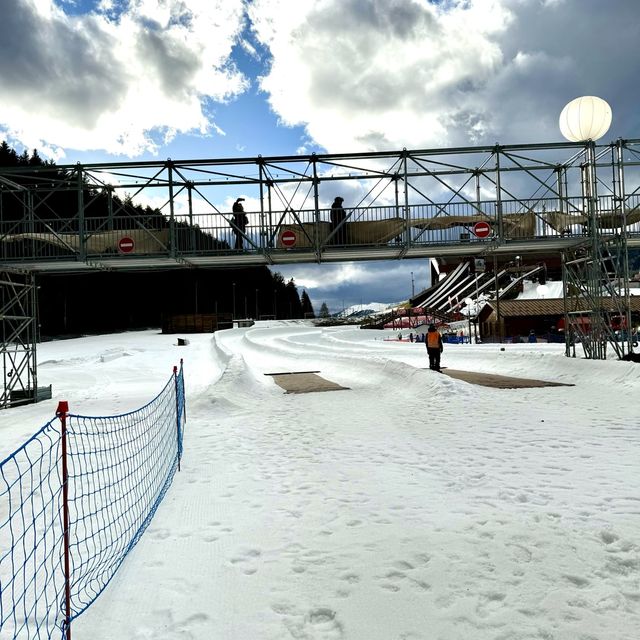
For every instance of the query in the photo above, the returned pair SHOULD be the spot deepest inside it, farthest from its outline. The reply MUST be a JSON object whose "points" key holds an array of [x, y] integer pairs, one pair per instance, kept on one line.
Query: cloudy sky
{"points": [[94, 80]]}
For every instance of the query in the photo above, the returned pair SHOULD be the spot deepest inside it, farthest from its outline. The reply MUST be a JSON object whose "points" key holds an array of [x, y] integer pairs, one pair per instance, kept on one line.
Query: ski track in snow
{"points": [[411, 506]]}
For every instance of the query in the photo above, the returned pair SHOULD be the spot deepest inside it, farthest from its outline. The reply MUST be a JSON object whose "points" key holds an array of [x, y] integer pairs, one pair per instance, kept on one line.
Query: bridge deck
{"points": [[282, 256]]}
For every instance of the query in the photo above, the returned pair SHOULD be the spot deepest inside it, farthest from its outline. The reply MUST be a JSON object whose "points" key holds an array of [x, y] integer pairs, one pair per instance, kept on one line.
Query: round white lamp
{"points": [[585, 118]]}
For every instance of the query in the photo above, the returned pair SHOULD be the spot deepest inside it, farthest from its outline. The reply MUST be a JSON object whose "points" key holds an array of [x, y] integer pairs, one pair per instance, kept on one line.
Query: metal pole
{"points": [[110, 208], [495, 277], [497, 149], [316, 206], [82, 236], [172, 221], [397, 194], [559, 186], [597, 333], [269, 185], [263, 234], [234, 301], [565, 305], [61, 412], [625, 248], [193, 229], [175, 381], [406, 200]]}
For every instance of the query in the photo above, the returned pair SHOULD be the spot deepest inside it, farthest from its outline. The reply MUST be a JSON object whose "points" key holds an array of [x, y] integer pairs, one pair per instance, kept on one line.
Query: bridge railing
{"points": [[36, 238]]}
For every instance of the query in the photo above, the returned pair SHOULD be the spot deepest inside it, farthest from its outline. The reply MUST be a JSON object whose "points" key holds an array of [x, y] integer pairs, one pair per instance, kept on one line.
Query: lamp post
{"points": [[587, 119], [413, 289]]}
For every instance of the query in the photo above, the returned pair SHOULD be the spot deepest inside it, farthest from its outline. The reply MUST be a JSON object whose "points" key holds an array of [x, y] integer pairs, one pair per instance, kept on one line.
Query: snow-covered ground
{"points": [[411, 506]]}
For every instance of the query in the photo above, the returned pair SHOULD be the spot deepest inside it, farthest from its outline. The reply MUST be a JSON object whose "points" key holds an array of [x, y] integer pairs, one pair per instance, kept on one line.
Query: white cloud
{"points": [[365, 74], [125, 83], [357, 74], [387, 74]]}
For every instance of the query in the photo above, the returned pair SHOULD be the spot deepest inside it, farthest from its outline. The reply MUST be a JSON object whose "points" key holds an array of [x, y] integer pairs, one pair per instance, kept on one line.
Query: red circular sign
{"points": [[481, 229], [126, 244], [288, 238]]}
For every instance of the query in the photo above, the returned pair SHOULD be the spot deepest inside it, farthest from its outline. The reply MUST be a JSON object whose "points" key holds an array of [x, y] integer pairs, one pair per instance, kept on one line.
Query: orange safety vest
{"points": [[433, 340]]}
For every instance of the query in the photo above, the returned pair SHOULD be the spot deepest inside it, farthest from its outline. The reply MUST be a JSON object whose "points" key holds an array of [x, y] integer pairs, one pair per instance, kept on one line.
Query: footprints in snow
{"points": [[403, 572], [319, 623], [247, 560]]}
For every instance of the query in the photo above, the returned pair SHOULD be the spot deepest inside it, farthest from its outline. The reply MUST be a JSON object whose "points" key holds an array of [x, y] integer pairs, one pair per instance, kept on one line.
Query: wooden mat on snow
{"points": [[500, 382], [304, 382]]}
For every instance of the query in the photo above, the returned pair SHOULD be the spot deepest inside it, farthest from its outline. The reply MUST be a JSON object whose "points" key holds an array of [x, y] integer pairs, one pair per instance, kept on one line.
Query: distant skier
{"points": [[434, 347]]}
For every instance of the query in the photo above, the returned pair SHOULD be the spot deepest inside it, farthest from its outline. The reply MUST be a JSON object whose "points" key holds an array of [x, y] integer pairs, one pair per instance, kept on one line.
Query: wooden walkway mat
{"points": [[304, 382], [500, 382]]}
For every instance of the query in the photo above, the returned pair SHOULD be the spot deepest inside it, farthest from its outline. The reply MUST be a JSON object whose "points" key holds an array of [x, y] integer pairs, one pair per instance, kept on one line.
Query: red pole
{"points": [[61, 412]]}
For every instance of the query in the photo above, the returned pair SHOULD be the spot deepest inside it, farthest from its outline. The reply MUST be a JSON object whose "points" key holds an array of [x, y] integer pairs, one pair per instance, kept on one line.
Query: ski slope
{"points": [[411, 505]]}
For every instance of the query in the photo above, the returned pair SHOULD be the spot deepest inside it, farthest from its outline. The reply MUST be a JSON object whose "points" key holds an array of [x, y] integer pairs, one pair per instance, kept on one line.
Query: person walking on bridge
{"points": [[240, 221], [338, 216], [434, 347]]}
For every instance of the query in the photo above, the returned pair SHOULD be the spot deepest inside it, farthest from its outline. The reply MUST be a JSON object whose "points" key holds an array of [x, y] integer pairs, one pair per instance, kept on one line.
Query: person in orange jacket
{"points": [[434, 347]]}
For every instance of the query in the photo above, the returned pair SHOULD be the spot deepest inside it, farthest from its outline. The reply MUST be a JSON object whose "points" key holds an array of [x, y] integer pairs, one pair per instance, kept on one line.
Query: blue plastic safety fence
{"points": [[119, 469]]}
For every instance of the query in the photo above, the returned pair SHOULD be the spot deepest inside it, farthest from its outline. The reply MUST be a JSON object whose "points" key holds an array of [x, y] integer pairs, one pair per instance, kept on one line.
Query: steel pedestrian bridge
{"points": [[536, 199], [577, 200]]}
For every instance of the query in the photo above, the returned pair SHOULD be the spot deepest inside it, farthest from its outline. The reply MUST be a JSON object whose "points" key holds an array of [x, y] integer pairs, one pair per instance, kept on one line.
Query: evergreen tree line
{"points": [[107, 301]]}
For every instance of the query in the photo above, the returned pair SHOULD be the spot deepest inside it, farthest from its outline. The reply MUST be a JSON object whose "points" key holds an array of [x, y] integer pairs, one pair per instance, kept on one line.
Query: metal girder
{"points": [[596, 274], [18, 321]]}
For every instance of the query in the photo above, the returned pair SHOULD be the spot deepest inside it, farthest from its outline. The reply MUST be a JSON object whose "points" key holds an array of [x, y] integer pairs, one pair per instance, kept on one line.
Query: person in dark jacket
{"points": [[338, 216], [240, 220], [434, 347]]}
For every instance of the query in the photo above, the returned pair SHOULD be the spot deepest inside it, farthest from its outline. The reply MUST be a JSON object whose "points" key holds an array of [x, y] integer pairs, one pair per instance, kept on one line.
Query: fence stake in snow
{"points": [[61, 412], [175, 380]]}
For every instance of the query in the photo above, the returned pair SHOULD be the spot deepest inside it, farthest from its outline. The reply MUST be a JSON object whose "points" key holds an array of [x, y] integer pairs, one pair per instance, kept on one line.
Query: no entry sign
{"points": [[481, 229], [288, 238], [126, 244]]}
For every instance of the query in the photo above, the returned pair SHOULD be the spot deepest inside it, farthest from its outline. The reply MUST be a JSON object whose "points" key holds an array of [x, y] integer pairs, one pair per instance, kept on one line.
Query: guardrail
{"points": [[287, 232]]}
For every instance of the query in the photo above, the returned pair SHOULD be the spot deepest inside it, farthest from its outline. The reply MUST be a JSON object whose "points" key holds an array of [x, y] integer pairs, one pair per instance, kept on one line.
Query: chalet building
{"points": [[544, 316]]}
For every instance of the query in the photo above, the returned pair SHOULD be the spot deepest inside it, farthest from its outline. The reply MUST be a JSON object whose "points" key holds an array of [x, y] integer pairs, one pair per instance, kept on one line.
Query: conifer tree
{"points": [[293, 300], [324, 310], [307, 307]]}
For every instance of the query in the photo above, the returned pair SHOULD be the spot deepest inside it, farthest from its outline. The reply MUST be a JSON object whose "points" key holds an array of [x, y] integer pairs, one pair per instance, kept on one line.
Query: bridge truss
{"points": [[577, 200]]}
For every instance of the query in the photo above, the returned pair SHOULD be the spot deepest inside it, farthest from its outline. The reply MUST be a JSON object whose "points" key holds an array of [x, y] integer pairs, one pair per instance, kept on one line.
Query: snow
{"points": [[411, 506], [534, 290], [373, 308]]}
